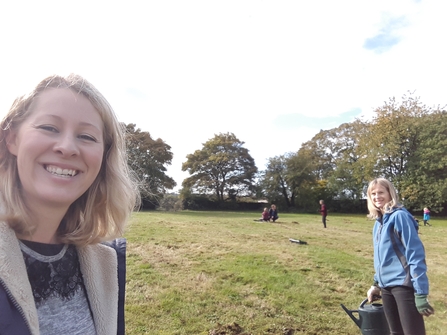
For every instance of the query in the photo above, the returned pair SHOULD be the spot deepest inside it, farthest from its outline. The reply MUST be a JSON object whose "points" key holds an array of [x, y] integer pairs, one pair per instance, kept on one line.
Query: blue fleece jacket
{"points": [[399, 255]]}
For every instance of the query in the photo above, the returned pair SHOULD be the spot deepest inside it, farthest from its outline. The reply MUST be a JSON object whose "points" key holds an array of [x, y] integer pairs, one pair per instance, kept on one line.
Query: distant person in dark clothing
{"points": [[323, 212], [273, 213]]}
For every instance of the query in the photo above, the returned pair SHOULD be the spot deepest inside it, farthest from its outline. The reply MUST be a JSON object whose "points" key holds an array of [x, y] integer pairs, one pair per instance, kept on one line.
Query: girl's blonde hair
{"points": [[101, 212], [375, 212]]}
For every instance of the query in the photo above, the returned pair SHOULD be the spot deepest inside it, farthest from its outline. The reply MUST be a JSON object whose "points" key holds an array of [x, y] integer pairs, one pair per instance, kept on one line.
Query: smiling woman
{"points": [[65, 190], [59, 149], [399, 261]]}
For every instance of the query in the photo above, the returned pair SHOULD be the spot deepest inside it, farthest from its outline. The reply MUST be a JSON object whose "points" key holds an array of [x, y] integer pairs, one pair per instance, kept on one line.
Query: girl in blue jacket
{"points": [[399, 261], [65, 196], [426, 216]]}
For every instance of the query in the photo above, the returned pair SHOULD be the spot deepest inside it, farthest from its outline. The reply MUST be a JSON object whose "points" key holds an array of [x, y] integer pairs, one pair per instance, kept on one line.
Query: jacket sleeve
{"points": [[374, 232], [413, 250]]}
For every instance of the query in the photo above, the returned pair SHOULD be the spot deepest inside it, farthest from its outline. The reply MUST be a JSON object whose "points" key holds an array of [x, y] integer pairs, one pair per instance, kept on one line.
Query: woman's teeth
{"points": [[61, 172]]}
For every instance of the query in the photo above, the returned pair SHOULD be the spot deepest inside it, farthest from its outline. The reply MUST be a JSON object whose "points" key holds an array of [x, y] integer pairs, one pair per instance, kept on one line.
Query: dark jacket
{"points": [[105, 286], [273, 213]]}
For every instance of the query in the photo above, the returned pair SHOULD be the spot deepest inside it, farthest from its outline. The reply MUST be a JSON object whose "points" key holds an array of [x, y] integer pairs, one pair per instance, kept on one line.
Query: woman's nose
{"points": [[66, 145]]}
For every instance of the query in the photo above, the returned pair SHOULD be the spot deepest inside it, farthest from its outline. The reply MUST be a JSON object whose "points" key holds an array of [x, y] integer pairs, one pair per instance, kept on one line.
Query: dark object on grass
{"points": [[297, 241]]}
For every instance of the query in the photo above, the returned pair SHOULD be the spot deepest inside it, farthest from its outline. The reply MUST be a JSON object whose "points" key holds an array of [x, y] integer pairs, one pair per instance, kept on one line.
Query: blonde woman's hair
{"points": [[101, 213], [375, 212]]}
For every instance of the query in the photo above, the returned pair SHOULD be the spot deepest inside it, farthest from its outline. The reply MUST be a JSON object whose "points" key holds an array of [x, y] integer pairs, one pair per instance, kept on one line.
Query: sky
{"points": [[272, 72]]}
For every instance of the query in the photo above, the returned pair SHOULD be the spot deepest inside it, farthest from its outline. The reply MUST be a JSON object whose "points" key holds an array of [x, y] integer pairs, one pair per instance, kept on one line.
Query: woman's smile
{"points": [[57, 171]]}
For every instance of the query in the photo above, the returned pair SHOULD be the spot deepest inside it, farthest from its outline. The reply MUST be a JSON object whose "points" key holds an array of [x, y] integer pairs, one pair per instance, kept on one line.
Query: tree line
{"points": [[405, 142]]}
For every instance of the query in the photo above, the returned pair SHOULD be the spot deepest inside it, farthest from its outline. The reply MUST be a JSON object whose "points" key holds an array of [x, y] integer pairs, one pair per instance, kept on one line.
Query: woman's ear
{"points": [[11, 142]]}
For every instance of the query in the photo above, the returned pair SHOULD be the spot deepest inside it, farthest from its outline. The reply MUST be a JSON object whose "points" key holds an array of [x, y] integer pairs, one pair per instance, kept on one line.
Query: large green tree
{"points": [[291, 178], [302, 177], [327, 167], [406, 144], [223, 167], [346, 179], [148, 158], [320, 152], [425, 182], [393, 138], [274, 181]]}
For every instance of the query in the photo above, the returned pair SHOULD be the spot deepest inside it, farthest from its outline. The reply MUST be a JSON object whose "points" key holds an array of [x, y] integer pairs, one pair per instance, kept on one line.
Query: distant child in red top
{"points": [[265, 215], [323, 212]]}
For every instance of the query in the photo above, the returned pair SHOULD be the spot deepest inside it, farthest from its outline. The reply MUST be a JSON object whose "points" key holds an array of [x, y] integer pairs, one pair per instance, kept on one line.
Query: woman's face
{"points": [[380, 196], [59, 148]]}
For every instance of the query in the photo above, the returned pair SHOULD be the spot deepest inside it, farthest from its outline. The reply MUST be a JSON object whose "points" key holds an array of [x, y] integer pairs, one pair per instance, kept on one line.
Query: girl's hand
{"points": [[373, 293], [422, 305]]}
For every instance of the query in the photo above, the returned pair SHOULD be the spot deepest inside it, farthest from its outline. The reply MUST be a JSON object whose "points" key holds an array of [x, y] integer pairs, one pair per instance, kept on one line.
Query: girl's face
{"points": [[59, 148], [380, 196]]}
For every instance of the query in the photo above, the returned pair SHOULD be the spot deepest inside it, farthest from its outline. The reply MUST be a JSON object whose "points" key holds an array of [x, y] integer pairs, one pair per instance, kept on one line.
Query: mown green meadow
{"points": [[217, 273]]}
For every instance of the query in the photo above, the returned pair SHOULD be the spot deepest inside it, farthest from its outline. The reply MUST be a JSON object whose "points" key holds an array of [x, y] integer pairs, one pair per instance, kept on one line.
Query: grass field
{"points": [[217, 273]]}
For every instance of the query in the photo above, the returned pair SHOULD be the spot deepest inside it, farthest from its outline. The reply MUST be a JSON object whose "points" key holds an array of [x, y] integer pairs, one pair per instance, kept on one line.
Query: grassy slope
{"points": [[200, 272]]}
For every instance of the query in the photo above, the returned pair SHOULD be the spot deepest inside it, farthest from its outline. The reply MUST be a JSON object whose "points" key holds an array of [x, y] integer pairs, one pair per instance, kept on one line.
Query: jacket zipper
{"points": [[379, 234], [16, 304]]}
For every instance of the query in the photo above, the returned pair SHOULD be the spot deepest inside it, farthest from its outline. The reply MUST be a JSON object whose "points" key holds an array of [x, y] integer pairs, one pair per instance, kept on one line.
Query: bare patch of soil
{"points": [[235, 329], [232, 329]]}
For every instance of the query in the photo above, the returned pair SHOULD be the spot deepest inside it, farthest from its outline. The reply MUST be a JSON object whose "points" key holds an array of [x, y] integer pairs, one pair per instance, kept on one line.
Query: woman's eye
{"points": [[87, 137], [48, 128]]}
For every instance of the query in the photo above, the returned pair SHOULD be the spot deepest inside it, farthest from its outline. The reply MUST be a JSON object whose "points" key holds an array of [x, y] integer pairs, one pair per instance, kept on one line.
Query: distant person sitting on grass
{"points": [[265, 217], [273, 213]]}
